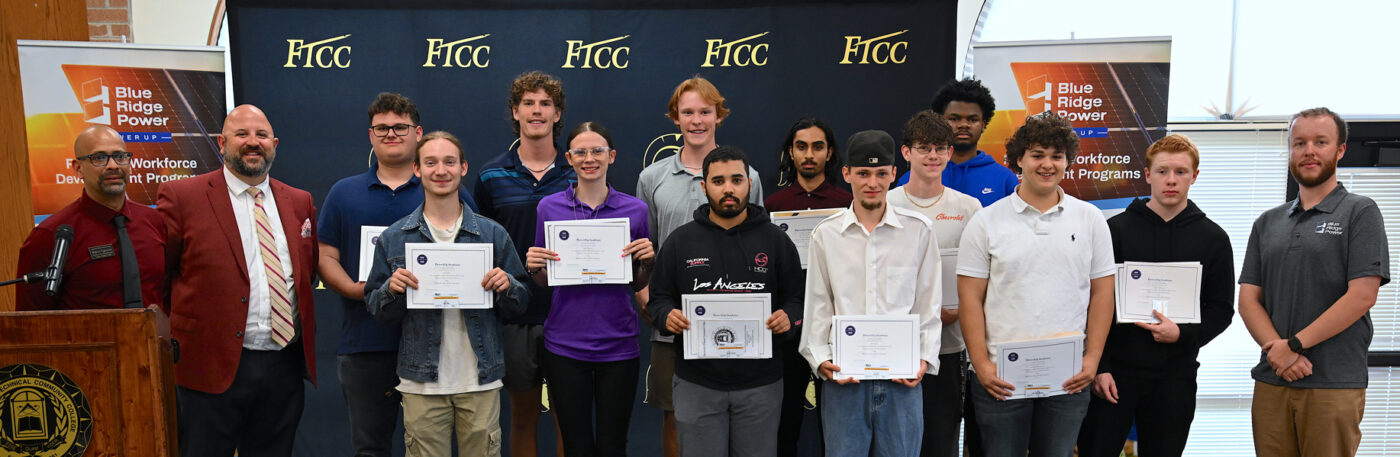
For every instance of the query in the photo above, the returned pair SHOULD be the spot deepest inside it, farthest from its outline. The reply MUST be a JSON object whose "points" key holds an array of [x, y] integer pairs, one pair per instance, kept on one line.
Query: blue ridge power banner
{"points": [[1113, 91], [315, 69], [166, 101]]}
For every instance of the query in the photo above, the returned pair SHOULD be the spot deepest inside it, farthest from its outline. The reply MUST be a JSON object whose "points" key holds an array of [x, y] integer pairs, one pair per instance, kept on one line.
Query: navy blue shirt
{"points": [[509, 195], [352, 202]]}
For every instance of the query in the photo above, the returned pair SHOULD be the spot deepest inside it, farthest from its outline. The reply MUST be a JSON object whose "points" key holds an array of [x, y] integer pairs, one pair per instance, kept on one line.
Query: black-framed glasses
{"points": [[99, 159], [398, 129], [581, 153]]}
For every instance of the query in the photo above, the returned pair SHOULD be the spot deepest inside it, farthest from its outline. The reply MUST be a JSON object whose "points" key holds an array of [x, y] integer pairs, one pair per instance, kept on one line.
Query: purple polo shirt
{"points": [[592, 322]]}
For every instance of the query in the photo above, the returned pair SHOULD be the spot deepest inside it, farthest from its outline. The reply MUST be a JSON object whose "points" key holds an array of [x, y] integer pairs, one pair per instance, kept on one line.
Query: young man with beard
{"points": [[671, 188], [385, 193], [117, 255], [1034, 265], [727, 407], [876, 259], [968, 107], [251, 240], [1147, 374], [925, 146], [450, 361], [811, 164], [510, 187], [1311, 273]]}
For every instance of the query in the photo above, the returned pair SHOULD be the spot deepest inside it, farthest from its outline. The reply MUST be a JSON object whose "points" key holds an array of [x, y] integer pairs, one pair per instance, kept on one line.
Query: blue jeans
{"points": [[368, 379], [875, 418], [1047, 427]]}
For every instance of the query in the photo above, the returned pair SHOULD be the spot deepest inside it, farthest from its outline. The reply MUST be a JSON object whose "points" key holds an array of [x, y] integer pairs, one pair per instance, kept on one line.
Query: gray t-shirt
{"points": [[672, 194], [1303, 259]]}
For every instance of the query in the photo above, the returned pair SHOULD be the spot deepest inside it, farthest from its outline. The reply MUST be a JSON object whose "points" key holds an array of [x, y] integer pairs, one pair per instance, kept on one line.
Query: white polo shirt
{"points": [[1038, 266], [949, 212]]}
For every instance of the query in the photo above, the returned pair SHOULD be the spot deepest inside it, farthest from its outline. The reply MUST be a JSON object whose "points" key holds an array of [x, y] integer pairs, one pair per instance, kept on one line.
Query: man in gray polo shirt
{"points": [[1310, 277]]}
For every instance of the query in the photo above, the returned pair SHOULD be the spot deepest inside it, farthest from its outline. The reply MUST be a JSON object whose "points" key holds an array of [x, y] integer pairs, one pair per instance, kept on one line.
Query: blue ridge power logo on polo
{"points": [[43, 413]]}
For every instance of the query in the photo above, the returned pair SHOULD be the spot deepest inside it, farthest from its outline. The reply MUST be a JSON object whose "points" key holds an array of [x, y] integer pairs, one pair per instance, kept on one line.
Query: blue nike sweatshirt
{"points": [[981, 177]]}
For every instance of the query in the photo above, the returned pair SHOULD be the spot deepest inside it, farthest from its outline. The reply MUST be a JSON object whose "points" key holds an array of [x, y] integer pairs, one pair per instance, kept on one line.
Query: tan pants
{"points": [[1290, 421], [429, 420]]}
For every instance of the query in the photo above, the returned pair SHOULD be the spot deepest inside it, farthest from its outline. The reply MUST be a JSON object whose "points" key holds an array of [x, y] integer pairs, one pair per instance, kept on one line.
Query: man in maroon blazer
{"points": [[241, 253]]}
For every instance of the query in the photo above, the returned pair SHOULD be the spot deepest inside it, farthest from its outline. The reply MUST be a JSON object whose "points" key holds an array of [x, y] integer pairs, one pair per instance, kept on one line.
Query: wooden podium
{"points": [[115, 364]]}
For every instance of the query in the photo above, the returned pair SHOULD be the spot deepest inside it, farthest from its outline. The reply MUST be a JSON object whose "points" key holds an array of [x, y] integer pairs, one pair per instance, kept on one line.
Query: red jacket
{"points": [[208, 304]]}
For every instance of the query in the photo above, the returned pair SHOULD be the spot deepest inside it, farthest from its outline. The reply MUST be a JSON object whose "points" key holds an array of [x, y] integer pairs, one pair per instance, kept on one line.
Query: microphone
{"points": [[62, 238]]}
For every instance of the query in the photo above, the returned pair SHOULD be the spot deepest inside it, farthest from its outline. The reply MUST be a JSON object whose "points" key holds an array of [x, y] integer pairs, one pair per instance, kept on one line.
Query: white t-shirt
{"points": [[456, 359], [1038, 266], [949, 212]]}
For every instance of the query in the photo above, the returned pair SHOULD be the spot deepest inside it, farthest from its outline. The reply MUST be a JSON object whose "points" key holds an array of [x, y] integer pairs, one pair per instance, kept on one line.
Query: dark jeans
{"points": [[257, 415], [368, 381], [972, 434], [1047, 427], [1162, 408], [796, 376], [585, 395], [943, 401]]}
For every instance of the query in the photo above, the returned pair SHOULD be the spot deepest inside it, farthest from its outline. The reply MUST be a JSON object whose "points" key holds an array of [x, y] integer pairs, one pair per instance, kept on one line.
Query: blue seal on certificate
{"points": [[699, 310], [850, 330], [1012, 357], [563, 234], [422, 259], [1137, 274]]}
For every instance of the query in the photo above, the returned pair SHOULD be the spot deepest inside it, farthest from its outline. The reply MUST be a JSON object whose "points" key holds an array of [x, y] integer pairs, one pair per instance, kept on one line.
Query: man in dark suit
{"points": [[241, 253]]}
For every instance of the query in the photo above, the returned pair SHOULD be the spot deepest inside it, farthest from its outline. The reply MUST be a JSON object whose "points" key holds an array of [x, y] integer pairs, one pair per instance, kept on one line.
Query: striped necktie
{"points": [[282, 330]]}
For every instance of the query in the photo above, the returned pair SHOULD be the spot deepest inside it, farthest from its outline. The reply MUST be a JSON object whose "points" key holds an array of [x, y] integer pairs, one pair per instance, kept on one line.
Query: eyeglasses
{"points": [[581, 153], [925, 149], [99, 159], [398, 129]]}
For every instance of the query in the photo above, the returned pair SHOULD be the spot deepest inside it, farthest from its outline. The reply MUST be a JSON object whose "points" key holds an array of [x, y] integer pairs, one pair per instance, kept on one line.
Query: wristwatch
{"points": [[1295, 345]]}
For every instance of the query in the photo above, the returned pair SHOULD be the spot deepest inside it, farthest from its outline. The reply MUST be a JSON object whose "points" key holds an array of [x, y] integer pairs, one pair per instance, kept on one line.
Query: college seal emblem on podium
{"points": [[43, 413]]}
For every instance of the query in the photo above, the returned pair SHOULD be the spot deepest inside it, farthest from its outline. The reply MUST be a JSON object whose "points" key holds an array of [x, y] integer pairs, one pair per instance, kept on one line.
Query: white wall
{"points": [[182, 22]]}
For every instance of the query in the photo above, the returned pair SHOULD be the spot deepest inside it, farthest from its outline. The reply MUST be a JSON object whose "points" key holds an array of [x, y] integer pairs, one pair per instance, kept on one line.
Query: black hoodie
{"points": [[701, 257], [1140, 235]]}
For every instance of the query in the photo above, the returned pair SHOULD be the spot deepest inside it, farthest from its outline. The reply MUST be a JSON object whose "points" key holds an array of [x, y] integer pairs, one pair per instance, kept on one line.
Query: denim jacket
{"points": [[422, 328]]}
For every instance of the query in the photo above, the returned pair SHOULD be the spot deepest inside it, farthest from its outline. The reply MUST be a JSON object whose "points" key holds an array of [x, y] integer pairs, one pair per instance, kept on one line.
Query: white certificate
{"points": [[590, 251], [727, 326], [449, 275], [798, 226], [369, 236], [950, 277], [1172, 288], [876, 347], [1039, 368]]}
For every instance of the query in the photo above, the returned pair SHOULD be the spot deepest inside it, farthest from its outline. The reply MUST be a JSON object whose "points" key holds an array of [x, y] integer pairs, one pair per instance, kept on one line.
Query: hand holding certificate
{"points": [[1170, 288], [589, 251], [441, 275], [876, 347], [1040, 368], [726, 326]]}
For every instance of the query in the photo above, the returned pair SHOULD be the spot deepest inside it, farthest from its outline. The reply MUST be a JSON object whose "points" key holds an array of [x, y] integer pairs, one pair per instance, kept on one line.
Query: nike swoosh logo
{"points": [[986, 190]]}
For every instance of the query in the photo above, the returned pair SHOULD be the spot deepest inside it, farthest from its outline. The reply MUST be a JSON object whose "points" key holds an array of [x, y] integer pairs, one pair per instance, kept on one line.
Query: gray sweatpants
{"points": [[719, 423]]}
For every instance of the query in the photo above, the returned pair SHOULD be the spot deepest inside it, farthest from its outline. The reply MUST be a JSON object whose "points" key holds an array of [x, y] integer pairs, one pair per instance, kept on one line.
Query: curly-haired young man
{"points": [[1034, 265]]}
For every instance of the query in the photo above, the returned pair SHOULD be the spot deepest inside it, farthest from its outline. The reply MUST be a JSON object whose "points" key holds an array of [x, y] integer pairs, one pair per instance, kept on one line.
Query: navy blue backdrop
{"points": [[315, 66]]}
